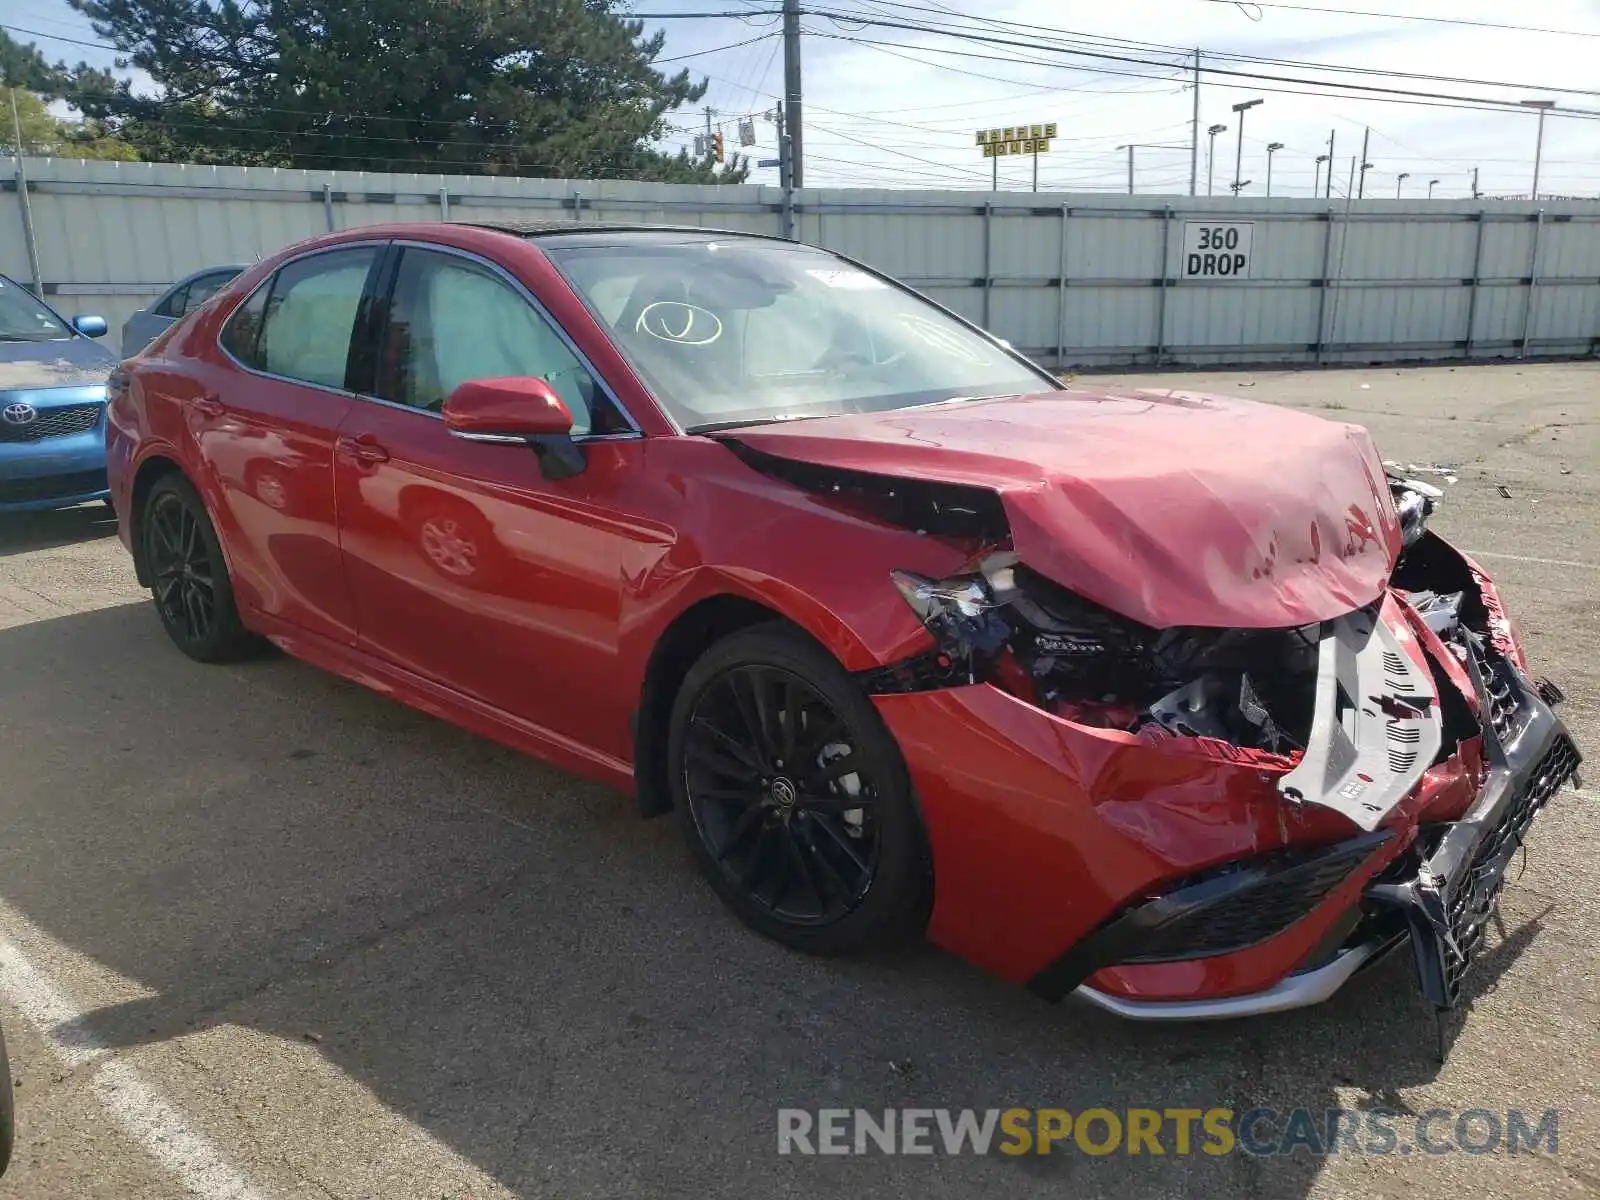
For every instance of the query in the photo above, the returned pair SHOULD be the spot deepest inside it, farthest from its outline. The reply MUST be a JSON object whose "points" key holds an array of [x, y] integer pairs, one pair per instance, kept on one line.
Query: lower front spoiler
{"points": [[1297, 991]]}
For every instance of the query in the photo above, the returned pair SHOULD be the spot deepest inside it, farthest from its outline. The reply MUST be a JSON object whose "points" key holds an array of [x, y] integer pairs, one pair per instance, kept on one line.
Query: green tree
{"points": [[44, 134], [513, 87]]}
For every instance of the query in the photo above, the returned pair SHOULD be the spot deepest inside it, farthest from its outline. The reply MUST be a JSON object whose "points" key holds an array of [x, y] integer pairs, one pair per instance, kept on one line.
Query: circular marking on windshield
{"points": [[954, 343], [680, 323]]}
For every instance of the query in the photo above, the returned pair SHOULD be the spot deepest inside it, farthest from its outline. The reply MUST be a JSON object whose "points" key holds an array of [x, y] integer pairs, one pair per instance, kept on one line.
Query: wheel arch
{"points": [[151, 470], [725, 602], [683, 641]]}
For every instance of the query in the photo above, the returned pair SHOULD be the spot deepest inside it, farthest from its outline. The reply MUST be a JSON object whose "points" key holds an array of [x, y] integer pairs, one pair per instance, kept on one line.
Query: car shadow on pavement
{"points": [[24, 531], [508, 957]]}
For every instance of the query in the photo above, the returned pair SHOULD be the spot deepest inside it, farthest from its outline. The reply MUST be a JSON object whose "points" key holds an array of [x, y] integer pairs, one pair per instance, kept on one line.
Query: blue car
{"points": [[52, 404]]}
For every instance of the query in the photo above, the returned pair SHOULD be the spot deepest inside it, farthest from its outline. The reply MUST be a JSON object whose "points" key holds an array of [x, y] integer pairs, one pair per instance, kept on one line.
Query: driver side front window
{"points": [[452, 320]]}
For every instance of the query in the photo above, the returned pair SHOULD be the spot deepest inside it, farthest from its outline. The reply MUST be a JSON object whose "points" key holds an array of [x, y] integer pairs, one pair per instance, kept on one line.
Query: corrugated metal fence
{"points": [[1073, 280]]}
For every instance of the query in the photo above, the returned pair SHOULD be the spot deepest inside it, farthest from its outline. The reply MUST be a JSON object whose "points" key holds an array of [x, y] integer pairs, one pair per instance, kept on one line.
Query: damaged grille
{"points": [[1499, 697], [1471, 899]]}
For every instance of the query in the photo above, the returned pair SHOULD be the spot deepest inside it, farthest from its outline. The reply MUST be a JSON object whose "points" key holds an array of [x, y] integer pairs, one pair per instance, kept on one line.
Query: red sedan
{"points": [[1169, 700]]}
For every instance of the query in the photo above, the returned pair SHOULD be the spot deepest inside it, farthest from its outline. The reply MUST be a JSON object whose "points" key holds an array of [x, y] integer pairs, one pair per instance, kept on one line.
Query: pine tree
{"points": [[511, 87]]}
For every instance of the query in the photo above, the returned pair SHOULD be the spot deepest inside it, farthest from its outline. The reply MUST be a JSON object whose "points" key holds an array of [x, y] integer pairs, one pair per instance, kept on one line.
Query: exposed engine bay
{"points": [[1293, 697]]}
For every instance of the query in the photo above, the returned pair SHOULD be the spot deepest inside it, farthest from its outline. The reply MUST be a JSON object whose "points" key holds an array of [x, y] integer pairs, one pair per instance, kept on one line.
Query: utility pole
{"points": [[1331, 132], [1361, 193], [1240, 109], [1543, 106], [1350, 190], [1316, 182], [1211, 155], [1476, 194], [785, 181], [791, 91], [1129, 149], [1399, 182], [27, 206], [1194, 134], [1272, 148]]}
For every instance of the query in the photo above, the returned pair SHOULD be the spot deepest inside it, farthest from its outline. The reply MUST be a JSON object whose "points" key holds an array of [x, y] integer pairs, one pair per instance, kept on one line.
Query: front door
{"points": [[466, 565]]}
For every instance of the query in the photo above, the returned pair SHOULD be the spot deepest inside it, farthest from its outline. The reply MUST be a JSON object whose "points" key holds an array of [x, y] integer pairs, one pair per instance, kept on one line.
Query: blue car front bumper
{"points": [[58, 457]]}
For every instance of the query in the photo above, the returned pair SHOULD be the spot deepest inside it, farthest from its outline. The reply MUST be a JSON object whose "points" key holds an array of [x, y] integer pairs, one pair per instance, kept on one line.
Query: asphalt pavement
{"points": [[264, 933]]}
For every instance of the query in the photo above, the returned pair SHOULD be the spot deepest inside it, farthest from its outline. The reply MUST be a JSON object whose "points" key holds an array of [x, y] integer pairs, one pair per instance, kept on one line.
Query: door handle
{"points": [[210, 406], [364, 448]]}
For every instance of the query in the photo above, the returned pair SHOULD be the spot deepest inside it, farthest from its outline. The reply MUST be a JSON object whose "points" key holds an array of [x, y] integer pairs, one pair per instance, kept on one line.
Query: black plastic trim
{"points": [[1121, 938]]}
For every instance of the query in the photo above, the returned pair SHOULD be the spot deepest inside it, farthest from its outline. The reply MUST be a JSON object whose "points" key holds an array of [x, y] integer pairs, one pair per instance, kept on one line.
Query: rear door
{"points": [[266, 425], [466, 565]]}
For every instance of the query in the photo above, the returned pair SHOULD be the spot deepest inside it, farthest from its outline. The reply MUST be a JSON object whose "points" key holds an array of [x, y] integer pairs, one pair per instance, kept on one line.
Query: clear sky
{"points": [[904, 111]]}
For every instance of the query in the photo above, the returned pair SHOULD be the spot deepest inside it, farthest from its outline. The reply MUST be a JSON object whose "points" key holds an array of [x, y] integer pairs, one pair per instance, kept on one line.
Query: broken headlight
{"points": [[962, 614], [1414, 502], [1005, 624]]}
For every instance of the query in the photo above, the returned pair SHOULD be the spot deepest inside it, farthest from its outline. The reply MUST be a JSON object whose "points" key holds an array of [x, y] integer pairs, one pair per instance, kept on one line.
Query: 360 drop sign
{"points": [[1217, 249]]}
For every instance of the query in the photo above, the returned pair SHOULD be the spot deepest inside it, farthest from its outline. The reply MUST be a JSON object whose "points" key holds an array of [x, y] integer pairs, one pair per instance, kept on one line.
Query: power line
{"points": [[1467, 21], [1048, 47], [1310, 88]]}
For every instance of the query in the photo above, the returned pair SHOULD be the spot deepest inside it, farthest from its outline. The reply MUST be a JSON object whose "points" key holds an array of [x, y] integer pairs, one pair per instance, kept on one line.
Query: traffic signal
{"points": [[716, 145]]}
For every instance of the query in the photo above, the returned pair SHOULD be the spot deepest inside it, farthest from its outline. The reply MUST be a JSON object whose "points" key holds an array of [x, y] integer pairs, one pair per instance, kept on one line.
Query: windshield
{"points": [[739, 332], [24, 319]]}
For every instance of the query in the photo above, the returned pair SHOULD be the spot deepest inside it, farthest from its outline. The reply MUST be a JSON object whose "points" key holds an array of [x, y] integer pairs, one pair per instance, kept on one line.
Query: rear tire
{"points": [[190, 585], [793, 796]]}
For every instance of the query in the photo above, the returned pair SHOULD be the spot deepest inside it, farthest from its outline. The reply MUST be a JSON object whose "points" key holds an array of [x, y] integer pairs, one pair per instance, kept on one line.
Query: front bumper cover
{"points": [[1452, 887]]}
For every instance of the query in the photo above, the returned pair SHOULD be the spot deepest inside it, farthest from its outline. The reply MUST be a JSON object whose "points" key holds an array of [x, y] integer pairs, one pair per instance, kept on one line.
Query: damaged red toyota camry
{"points": [[1167, 700]]}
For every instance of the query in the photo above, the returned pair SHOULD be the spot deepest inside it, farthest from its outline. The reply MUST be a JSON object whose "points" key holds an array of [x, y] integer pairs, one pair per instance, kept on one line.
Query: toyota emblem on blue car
{"points": [[19, 414]]}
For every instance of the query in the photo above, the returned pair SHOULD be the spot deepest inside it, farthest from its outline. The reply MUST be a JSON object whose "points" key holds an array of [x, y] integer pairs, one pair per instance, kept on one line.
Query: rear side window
{"points": [[204, 288], [241, 336], [174, 304], [299, 323]]}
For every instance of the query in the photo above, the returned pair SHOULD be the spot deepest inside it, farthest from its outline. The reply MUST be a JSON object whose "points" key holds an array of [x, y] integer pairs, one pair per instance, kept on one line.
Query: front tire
{"points": [[793, 797], [190, 585]]}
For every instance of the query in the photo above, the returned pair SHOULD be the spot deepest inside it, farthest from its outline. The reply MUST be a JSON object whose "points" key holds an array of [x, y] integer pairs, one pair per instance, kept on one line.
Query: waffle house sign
{"points": [[1016, 139]]}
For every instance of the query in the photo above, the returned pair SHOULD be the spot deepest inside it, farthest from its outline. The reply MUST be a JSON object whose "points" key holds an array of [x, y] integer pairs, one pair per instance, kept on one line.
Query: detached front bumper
{"points": [[1174, 882]]}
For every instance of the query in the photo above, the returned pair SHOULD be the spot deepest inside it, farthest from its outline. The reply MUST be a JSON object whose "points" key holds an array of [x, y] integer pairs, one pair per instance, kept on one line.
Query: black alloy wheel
{"points": [[189, 575], [185, 590], [793, 795], [780, 795]]}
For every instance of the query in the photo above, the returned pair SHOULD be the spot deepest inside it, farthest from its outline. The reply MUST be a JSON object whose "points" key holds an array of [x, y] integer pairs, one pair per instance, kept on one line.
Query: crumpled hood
{"points": [[1171, 508], [69, 362]]}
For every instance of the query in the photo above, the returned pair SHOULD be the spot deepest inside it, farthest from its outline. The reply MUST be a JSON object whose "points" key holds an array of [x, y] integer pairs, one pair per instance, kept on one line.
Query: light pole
{"points": [[1316, 187], [1241, 108], [1211, 154], [1399, 181], [1543, 106], [1431, 182], [1272, 148]]}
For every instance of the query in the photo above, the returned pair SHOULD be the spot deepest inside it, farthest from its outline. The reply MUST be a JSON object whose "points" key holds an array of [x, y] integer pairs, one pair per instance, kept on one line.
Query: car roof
{"points": [[555, 233]]}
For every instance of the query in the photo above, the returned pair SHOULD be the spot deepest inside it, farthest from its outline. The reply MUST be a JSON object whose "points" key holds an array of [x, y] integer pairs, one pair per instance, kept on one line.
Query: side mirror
{"points": [[89, 326], [517, 410]]}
